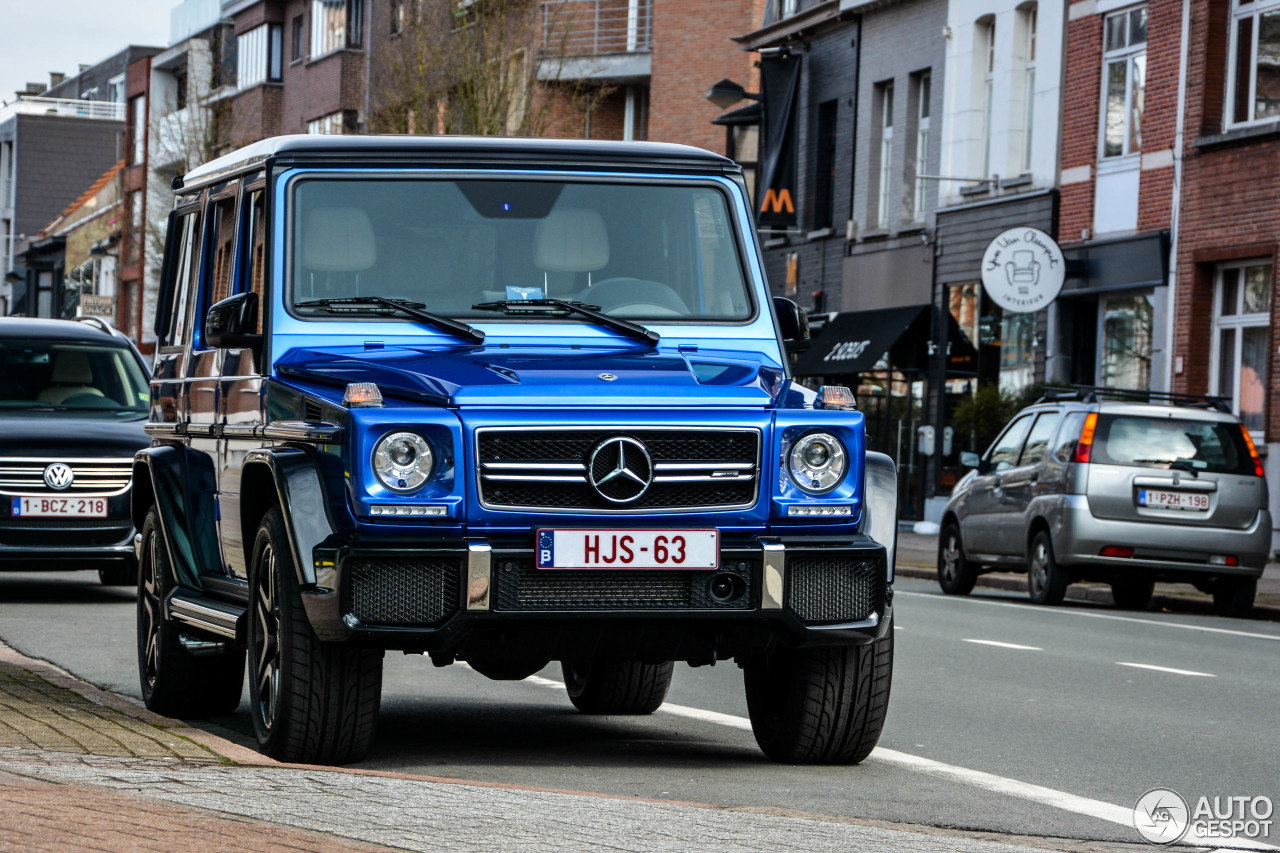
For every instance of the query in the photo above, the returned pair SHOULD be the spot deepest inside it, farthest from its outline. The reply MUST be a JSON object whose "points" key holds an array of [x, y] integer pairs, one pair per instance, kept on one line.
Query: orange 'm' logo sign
{"points": [[776, 201]]}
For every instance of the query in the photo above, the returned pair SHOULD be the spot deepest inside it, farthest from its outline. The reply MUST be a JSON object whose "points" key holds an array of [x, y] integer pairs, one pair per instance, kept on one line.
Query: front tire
{"points": [[175, 682], [1133, 594], [607, 687], [956, 575], [1046, 581], [311, 701], [820, 706], [1234, 596]]}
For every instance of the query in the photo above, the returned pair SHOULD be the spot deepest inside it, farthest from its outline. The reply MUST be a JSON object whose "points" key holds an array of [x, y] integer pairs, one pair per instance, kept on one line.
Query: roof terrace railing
{"points": [[594, 27], [36, 105]]}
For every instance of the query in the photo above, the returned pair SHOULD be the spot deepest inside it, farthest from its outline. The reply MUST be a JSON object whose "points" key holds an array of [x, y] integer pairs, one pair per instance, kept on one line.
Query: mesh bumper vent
{"points": [[522, 587], [402, 590], [834, 587]]}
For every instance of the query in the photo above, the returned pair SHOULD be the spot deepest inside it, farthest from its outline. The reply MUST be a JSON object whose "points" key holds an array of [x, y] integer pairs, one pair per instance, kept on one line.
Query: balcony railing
{"points": [[28, 105], [594, 27]]}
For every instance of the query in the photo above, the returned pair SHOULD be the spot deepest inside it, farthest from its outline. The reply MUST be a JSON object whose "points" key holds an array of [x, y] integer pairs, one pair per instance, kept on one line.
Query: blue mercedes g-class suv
{"points": [[505, 402]]}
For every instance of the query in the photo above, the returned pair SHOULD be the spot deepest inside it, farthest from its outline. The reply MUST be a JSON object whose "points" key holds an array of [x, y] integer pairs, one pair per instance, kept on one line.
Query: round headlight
{"points": [[403, 461], [818, 462]]}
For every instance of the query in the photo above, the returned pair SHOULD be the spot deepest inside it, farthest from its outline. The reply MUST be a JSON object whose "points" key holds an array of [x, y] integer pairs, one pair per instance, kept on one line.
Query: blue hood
{"points": [[545, 376]]}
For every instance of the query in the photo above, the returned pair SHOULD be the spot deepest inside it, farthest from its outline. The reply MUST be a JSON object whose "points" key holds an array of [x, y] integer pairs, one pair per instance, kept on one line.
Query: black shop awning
{"points": [[853, 342]]}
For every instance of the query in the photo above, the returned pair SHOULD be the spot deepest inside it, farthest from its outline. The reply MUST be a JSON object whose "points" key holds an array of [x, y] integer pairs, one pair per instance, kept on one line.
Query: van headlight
{"points": [[403, 461], [818, 462]]}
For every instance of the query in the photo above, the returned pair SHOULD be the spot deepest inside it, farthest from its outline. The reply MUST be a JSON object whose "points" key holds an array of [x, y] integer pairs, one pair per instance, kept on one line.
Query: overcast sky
{"points": [[39, 36]]}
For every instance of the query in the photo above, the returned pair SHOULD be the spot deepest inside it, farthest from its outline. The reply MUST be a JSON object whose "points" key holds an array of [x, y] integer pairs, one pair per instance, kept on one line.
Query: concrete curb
{"points": [[1097, 593]]}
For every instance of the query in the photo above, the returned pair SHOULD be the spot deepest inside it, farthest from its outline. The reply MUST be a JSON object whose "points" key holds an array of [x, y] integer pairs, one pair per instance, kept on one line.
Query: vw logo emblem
{"points": [[59, 476], [608, 377], [620, 470]]}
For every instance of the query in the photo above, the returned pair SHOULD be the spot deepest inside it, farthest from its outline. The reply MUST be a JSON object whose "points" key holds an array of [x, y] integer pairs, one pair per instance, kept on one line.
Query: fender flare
{"points": [[880, 505], [182, 487], [303, 500]]}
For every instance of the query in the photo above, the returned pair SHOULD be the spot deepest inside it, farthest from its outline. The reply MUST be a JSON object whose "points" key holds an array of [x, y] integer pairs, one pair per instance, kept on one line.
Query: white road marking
{"points": [[1000, 645], [1166, 669], [1121, 815], [1060, 611]]}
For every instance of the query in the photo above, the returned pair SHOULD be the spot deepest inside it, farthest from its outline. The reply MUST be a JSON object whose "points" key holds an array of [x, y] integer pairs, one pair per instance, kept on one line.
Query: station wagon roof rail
{"points": [[397, 150]]}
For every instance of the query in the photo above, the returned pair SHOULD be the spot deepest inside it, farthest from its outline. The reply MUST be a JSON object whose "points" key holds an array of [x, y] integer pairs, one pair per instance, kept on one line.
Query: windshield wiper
{"points": [[349, 305], [560, 306]]}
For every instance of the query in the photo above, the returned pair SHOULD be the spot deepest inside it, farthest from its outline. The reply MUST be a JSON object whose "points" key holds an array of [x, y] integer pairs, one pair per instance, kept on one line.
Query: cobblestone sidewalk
{"points": [[81, 769]]}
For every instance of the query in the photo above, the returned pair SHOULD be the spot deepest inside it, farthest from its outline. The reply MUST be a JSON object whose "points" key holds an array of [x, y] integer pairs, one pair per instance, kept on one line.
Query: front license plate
{"points": [[628, 549], [1158, 499], [59, 508]]}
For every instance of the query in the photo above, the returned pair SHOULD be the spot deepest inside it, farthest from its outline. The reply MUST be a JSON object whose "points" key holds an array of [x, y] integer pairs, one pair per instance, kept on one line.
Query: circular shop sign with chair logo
{"points": [[1023, 270]]}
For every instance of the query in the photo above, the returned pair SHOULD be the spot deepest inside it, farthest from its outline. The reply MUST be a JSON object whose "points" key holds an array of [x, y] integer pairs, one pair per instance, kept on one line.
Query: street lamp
{"points": [[726, 93]]}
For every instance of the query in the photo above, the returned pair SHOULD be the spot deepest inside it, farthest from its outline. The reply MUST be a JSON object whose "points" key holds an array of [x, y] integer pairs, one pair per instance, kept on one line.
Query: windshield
{"points": [[664, 252], [71, 377], [1211, 446]]}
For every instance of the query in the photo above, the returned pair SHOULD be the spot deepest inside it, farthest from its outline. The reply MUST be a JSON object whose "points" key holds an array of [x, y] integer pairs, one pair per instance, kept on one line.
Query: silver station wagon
{"points": [[1089, 485]]}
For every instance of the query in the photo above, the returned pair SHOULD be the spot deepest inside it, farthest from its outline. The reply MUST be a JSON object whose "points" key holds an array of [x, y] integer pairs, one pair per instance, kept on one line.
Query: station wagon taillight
{"points": [[1085, 445], [1253, 451]]}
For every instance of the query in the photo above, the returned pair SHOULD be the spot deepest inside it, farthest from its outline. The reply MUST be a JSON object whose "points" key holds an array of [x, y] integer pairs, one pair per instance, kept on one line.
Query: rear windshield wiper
{"points": [[351, 305], [560, 306]]}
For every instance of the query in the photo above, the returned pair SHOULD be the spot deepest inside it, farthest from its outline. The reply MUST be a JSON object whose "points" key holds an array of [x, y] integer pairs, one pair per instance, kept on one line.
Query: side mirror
{"points": [[969, 459], [793, 324], [231, 322]]}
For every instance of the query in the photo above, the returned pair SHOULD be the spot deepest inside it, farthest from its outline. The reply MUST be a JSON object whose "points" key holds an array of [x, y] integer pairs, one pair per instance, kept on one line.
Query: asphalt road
{"points": [[1005, 717]]}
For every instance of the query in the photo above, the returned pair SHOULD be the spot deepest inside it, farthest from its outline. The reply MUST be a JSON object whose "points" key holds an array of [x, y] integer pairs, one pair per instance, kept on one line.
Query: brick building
{"points": [[1120, 122], [1228, 225]]}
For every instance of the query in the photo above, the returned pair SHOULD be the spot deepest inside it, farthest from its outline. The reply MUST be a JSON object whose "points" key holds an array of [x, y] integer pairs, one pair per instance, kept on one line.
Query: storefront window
{"points": [[1242, 332], [1127, 332], [1017, 351]]}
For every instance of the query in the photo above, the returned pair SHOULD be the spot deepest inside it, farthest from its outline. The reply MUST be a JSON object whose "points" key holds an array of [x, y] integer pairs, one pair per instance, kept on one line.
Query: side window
{"points": [[222, 230], [253, 261], [1004, 453], [186, 252], [1068, 436], [1037, 446]]}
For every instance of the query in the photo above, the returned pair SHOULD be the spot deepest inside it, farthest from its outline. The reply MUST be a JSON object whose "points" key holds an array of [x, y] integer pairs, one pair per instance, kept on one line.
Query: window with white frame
{"points": [[987, 32], [923, 95], [1124, 71], [1241, 340], [326, 125], [886, 153], [115, 89], [788, 8], [335, 24], [1253, 85], [259, 55], [1030, 21]]}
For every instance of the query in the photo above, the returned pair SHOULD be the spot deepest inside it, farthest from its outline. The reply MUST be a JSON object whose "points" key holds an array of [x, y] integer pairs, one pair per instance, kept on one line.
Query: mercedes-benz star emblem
{"points": [[59, 476], [620, 469], [608, 377]]}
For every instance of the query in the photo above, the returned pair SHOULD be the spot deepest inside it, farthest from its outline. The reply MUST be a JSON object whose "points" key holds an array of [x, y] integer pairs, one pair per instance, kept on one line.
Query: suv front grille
{"points": [[834, 586], [25, 475], [402, 590], [521, 587], [693, 469]]}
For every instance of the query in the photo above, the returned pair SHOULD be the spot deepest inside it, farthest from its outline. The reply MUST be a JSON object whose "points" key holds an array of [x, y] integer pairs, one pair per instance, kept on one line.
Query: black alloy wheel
{"points": [[175, 682]]}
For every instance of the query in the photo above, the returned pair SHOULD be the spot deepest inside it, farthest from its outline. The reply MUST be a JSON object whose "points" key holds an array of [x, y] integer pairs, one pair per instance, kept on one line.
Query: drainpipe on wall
{"points": [[1171, 295], [853, 157]]}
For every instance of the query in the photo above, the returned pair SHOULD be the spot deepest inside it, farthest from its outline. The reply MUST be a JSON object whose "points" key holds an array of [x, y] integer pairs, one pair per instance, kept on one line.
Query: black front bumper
{"points": [[61, 543], [453, 600]]}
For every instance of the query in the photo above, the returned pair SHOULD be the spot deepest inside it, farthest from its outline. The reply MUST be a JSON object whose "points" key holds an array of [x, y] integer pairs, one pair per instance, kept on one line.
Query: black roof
{"points": [[513, 152], [34, 329]]}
